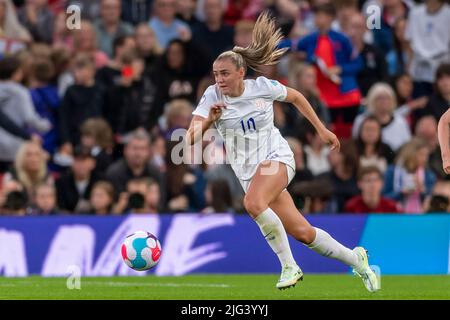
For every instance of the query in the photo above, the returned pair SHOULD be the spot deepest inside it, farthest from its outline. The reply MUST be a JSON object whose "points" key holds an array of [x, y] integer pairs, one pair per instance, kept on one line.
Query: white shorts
{"points": [[290, 173]]}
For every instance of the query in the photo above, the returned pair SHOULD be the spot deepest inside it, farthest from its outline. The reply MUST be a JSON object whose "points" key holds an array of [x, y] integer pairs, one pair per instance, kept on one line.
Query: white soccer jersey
{"points": [[247, 126]]}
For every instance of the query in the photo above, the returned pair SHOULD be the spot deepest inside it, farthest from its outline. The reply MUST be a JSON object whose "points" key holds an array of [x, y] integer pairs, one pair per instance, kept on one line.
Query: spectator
{"points": [[186, 12], [111, 74], [237, 10], [303, 78], [178, 115], [165, 25], [109, 26], [218, 197], [159, 153], [102, 198], [147, 46], [337, 67], [13, 198], [17, 107], [30, 169], [313, 196], [185, 182], [45, 200], [370, 182], [381, 103], [85, 41], [427, 32], [375, 67], [391, 11], [45, 99], [176, 74], [142, 196], [135, 163], [371, 150], [410, 180], [10, 26], [63, 78], [426, 128], [302, 173], [82, 100], [62, 36], [97, 136], [344, 166], [74, 187], [213, 34], [408, 106], [243, 33], [36, 16], [440, 100], [132, 104], [136, 11], [89, 9], [397, 58], [439, 201], [316, 152]]}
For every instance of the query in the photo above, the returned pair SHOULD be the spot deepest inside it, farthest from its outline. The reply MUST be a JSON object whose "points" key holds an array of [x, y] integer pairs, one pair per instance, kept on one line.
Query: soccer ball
{"points": [[141, 250]]}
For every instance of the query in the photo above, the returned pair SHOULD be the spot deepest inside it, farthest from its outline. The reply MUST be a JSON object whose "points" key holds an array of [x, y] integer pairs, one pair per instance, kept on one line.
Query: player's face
{"points": [[228, 77]]}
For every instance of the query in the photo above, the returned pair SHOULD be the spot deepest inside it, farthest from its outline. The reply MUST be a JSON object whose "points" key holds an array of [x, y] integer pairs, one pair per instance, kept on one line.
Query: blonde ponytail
{"points": [[263, 49]]}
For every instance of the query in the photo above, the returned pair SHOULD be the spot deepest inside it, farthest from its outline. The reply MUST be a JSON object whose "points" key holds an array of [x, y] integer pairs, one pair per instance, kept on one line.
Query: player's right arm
{"points": [[200, 124], [444, 140]]}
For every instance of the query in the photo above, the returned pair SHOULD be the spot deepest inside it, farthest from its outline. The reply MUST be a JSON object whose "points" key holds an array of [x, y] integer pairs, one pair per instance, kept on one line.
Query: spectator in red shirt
{"points": [[370, 182]]}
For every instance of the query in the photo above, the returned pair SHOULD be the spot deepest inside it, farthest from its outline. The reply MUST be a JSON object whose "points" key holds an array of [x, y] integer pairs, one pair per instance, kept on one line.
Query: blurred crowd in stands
{"points": [[87, 114]]}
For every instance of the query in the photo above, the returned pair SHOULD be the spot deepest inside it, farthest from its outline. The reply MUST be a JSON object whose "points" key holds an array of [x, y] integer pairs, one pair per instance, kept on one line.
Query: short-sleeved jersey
{"points": [[247, 125]]}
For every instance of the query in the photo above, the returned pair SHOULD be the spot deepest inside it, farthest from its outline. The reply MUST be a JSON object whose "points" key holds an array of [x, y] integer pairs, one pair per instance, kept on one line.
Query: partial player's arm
{"points": [[300, 102], [444, 140], [200, 124]]}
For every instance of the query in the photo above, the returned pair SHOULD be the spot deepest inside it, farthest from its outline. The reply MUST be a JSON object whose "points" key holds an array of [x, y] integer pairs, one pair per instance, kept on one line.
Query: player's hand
{"points": [[330, 138], [446, 164], [216, 111]]}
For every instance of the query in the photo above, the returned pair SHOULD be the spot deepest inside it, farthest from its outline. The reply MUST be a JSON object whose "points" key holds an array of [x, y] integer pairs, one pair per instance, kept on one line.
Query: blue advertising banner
{"points": [[214, 243]]}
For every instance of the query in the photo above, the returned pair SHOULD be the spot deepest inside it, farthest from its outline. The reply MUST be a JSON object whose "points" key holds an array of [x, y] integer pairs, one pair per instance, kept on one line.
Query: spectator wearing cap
{"points": [[74, 187], [370, 182]]}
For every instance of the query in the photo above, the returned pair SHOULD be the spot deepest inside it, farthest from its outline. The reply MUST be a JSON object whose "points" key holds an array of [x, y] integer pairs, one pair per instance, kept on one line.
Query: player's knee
{"points": [[304, 234], [254, 206]]}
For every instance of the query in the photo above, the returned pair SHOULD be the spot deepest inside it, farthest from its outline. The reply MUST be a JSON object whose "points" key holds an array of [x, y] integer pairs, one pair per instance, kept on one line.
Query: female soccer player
{"points": [[444, 140], [242, 111]]}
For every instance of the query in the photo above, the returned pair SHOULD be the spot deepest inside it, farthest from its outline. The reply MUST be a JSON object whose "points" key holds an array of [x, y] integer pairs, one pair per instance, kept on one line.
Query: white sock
{"points": [[275, 234], [325, 245]]}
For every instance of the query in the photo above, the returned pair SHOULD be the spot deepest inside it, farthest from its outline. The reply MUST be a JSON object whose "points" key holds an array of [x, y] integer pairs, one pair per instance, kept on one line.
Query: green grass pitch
{"points": [[226, 287]]}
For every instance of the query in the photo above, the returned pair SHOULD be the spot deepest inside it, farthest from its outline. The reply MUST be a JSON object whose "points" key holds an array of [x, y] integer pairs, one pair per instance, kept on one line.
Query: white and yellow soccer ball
{"points": [[141, 250]]}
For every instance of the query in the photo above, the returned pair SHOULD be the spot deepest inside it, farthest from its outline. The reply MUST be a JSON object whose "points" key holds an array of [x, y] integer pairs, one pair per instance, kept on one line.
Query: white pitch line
{"points": [[128, 284]]}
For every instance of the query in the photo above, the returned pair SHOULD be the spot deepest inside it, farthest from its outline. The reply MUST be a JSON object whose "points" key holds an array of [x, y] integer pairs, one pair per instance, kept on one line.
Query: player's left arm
{"points": [[302, 105], [444, 140]]}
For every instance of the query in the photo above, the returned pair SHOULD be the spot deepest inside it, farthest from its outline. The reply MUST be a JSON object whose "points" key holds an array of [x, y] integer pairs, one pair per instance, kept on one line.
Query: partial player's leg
{"points": [[321, 242], [267, 183]]}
